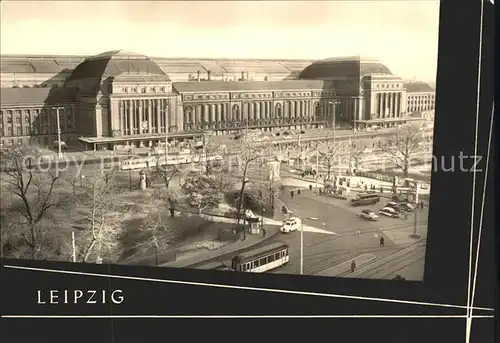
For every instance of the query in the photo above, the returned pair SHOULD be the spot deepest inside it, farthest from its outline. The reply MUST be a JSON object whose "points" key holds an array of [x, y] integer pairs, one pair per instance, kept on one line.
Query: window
{"points": [[9, 131], [19, 131]]}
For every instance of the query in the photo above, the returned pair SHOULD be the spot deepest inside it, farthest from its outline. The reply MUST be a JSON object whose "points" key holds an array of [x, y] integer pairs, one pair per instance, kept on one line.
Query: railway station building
{"points": [[120, 98]]}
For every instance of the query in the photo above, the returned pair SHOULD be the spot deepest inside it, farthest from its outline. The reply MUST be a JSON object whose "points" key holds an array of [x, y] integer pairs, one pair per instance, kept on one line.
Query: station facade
{"points": [[119, 98]]}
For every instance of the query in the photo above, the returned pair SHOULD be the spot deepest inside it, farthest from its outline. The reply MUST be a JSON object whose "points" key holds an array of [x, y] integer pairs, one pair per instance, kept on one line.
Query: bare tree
{"points": [[158, 233], [97, 219], [329, 152], [356, 152], [167, 198], [402, 146], [34, 191], [202, 191], [246, 155], [166, 173], [210, 157]]}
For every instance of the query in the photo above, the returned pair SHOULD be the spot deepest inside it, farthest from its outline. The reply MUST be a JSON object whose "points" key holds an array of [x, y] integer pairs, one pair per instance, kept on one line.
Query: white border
{"points": [[230, 316], [471, 286]]}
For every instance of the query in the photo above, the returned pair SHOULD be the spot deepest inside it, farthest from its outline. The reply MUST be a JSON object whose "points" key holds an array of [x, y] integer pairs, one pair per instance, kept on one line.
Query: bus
{"points": [[263, 259]]}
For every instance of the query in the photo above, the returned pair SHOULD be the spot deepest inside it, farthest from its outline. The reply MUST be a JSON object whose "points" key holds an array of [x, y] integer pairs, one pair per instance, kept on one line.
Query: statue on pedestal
{"points": [[142, 179]]}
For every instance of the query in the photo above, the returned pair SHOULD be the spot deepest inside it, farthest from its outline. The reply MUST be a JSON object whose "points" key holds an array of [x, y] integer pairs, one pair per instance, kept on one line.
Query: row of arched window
{"points": [[255, 111]]}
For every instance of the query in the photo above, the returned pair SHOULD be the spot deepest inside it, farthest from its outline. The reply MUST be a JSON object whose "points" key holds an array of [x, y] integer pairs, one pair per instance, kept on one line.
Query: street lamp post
{"points": [[301, 244], [301, 248], [317, 164], [155, 247], [130, 173], [60, 156], [334, 122], [165, 111], [415, 235]]}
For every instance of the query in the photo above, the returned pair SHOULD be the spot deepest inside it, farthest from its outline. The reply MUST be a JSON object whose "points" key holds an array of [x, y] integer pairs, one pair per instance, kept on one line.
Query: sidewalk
{"points": [[250, 241], [401, 236], [345, 267], [298, 182]]}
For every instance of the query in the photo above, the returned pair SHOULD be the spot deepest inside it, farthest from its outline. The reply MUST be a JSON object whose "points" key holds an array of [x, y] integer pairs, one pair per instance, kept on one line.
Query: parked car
{"points": [[389, 212], [368, 214], [291, 224], [365, 199], [394, 205], [407, 207]]}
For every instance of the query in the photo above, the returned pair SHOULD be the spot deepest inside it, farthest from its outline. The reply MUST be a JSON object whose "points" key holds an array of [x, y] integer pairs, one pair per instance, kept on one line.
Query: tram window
{"points": [[270, 258], [277, 256]]}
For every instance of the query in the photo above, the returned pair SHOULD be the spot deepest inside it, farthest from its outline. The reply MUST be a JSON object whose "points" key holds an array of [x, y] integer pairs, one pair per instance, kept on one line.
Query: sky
{"points": [[401, 34]]}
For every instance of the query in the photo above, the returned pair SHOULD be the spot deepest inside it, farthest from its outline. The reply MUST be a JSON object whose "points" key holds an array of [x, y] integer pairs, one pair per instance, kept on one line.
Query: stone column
{"points": [[205, 113], [397, 104], [393, 113], [400, 103], [140, 111], [355, 116], [122, 117], [250, 111], [150, 116], [130, 118], [158, 116]]}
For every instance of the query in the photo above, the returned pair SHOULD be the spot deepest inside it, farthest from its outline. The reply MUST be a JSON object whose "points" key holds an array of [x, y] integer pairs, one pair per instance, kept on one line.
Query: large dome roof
{"points": [[113, 63], [344, 67]]}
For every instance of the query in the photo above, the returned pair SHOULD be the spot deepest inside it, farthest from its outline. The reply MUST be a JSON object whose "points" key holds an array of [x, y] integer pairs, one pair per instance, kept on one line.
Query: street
{"points": [[330, 237]]}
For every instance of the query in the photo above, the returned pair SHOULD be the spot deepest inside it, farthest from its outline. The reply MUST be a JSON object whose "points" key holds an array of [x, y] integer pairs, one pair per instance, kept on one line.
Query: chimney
{"points": [[209, 75], [198, 75]]}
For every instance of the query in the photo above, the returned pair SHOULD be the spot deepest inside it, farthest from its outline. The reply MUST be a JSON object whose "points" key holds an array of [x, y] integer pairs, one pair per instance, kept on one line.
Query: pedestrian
{"points": [[382, 241], [310, 188], [353, 266], [381, 189], [405, 215], [366, 187], [264, 233], [421, 205], [358, 232], [291, 194], [298, 191]]}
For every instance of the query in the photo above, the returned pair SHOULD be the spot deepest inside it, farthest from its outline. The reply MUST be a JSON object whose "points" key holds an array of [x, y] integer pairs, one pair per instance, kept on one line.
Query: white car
{"points": [[389, 212], [290, 225], [368, 214]]}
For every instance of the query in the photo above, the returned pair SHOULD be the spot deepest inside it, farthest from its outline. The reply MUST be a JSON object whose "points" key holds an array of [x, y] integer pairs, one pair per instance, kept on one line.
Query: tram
{"points": [[262, 259], [175, 159]]}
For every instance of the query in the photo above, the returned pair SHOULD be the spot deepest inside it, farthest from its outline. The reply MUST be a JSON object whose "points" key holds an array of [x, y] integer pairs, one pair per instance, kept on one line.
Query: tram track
{"points": [[391, 263]]}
